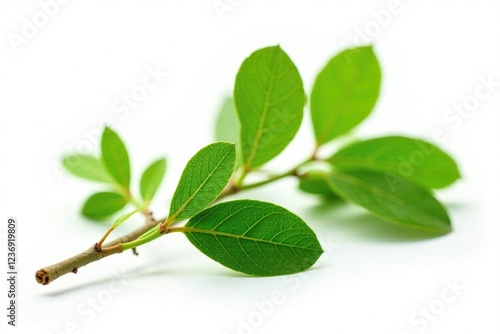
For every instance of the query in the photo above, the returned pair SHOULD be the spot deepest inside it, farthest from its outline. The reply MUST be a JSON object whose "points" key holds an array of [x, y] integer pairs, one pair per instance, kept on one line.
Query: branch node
{"points": [[97, 247]]}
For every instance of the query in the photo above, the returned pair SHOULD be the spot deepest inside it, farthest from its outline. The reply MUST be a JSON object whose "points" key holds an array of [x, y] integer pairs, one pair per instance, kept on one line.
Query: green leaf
{"points": [[411, 158], [316, 183], [115, 157], [269, 99], [203, 179], [227, 127], [87, 167], [151, 179], [344, 93], [255, 238], [103, 204], [120, 220], [405, 203]]}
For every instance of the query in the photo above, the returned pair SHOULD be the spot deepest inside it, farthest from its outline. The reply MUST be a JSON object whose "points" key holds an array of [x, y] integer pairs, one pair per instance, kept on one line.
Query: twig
{"points": [[48, 274], [96, 252]]}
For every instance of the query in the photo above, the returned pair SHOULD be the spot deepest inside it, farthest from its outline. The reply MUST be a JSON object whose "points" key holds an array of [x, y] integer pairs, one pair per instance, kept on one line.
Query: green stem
{"points": [[314, 155], [243, 173], [128, 195], [269, 180], [135, 202], [149, 236], [149, 232], [177, 229], [291, 172]]}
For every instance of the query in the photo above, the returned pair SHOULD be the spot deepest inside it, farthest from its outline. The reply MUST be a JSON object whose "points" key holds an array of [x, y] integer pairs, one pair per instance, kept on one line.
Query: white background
{"points": [[60, 85]]}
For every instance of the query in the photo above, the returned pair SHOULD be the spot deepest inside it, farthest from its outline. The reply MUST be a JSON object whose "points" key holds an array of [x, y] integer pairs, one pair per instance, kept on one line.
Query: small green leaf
{"points": [[151, 179], [120, 220], [410, 158], [203, 179], [115, 157], [103, 204], [316, 183], [255, 238], [344, 93], [87, 167], [405, 203], [269, 99]]}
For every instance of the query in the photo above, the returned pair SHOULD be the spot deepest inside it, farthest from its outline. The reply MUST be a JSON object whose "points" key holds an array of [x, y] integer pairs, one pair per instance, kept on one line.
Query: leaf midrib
{"points": [[154, 173], [338, 105], [377, 164], [121, 175], [396, 200], [190, 198], [263, 117], [237, 236]]}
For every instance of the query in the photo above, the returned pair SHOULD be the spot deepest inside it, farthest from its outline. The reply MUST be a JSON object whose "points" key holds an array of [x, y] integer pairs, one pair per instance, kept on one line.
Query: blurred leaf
{"points": [[408, 204], [344, 93], [151, 179], [87, 167], [255, 238], [316, 183], [102, 205], [120, 220], [227, 127], [203, 179], [115, 157], [269, 99], [411, 158]]}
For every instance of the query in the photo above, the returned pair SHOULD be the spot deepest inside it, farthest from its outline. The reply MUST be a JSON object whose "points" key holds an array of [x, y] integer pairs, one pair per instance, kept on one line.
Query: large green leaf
{"points": [[408, 204], [344, 93], [203, 179], [103, 204], [115, 157], [87, 167], [151, 179], [404, 157], [269, 99], [255, 238]]}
